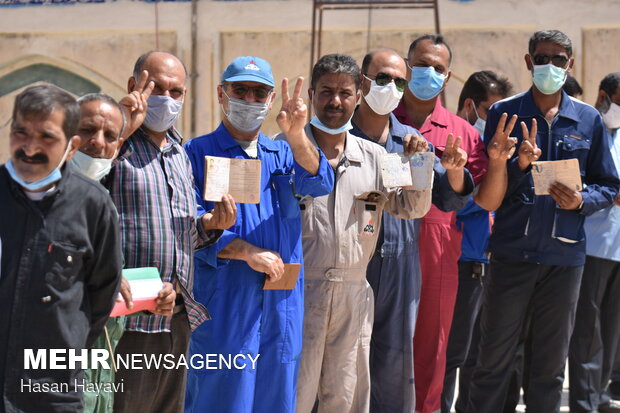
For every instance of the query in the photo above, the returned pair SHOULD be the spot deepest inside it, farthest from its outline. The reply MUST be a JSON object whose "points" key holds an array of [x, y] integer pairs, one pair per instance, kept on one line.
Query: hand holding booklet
{"points": [[415, 171], [145, 283], [566, 172], [288, 280], [238, 177]]}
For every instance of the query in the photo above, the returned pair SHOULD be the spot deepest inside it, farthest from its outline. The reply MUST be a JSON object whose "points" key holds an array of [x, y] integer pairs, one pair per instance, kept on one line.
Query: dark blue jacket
{"points": [[533, 228]]}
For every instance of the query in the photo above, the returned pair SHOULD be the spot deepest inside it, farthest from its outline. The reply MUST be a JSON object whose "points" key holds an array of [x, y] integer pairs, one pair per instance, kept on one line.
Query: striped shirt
{"points": [[153, 190]]}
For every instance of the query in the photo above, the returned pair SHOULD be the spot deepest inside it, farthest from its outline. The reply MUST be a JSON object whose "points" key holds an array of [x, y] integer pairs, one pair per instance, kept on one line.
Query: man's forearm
{"points": [[456, 178], [493, 186], [237, 249], [305, 154]]}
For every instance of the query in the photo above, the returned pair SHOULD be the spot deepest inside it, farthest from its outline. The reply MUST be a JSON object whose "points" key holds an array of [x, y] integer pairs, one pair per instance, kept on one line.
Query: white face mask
{"points": [[612, 116], [162, 112], [246, 116], [93, 168], [480, 123], [383, 99]]}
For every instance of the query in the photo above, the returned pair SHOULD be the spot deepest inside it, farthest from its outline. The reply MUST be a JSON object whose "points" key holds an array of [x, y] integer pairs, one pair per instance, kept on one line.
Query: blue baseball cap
{"points": [[249, 68]]}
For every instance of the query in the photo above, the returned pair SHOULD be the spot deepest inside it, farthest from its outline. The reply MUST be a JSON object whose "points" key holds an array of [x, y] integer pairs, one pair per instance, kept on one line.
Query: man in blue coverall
{"points": [[481, 90], [394, 270], [264, 326], [538, 242]]}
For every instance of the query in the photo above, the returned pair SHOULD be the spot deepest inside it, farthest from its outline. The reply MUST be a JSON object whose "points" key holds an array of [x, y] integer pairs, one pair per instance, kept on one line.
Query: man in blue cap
{"points": [[259, 329]]}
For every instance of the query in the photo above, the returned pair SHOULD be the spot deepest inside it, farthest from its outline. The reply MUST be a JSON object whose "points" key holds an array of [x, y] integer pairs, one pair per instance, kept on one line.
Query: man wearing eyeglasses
{"points": [[394, 270], [247, 321], [429, 60], [538, 242]]}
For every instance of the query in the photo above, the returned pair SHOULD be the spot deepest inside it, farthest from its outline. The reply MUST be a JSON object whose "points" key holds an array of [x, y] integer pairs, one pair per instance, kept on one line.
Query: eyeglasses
{"points": [[383, 79], [259, 92], [557, 60]]}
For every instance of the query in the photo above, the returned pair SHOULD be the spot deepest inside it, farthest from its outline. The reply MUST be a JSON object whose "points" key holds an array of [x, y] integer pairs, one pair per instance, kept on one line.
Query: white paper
{"points": [[142, 289], [395, 170], [415, 170], [422, 170], [237, 177], [565, 172]]}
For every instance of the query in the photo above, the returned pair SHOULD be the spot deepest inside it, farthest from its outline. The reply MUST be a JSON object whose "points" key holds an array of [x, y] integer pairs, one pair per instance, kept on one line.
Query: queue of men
{"points": [[398, 288]]}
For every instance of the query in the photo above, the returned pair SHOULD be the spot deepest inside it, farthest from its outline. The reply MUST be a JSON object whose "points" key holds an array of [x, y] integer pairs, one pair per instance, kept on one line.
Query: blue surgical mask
{"points": [[425, 82], [316, 122], [53, 176], [548, 78]]}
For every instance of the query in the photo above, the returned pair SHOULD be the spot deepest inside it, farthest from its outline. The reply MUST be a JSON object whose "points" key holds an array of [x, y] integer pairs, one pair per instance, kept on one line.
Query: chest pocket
{"points": [[64, 263], [283, 186], [576, 147], [368, 209]]}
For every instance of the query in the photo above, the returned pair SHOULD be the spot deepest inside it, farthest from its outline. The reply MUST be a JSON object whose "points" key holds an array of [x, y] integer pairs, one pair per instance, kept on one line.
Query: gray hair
{"points": [[336, 63], [41, 100], [102, 97], [552, 36]]}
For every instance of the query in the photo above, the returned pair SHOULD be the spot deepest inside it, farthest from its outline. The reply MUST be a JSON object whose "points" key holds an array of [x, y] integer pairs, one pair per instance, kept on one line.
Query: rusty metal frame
{"points": [[321, 5]]}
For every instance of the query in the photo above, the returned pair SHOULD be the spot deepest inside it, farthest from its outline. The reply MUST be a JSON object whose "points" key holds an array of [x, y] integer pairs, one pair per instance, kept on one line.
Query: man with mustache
{"points": [[340, 233], [60, 257]]}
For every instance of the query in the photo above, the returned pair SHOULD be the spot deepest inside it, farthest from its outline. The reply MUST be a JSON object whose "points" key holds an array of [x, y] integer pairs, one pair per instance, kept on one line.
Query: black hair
{"points": [[572, 87], [41, 100], [481, 84], [610, 84], [436, 39], [336, 63]]}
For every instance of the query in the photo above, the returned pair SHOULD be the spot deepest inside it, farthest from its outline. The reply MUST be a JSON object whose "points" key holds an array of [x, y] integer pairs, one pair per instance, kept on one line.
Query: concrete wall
{"points": [[99, 42]]}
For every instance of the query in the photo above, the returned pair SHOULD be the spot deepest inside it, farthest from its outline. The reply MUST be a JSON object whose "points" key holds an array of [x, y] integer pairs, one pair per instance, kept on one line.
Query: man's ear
{"points": [[75, 143], [131, 84], [600, 99], [528, 62], [571, 62], [359, 95], [274, 95], [220, 95], [310, 95], [448, 76]]}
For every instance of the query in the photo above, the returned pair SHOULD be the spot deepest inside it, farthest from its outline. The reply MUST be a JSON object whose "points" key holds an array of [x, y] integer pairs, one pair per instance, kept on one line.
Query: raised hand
{"points": [[135, 104], [413, 143], [453, 156], [528, 150], [502, 146], [292, 116], [223, 216]]}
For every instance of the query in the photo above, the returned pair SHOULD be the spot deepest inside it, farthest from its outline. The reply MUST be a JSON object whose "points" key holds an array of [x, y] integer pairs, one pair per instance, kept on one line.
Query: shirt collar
{"points": [[226, 141], [528, 108], [439, 116]]}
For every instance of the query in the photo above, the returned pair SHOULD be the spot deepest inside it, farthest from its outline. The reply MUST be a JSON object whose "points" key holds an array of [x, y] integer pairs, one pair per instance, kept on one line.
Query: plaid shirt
{"points": [[153, 190]]}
